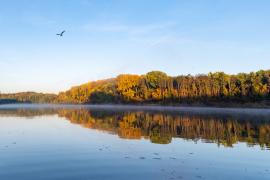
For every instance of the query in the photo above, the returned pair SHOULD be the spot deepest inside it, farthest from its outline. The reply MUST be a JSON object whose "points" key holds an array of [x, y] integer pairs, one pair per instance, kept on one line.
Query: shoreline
{"points": [[128, 107]]}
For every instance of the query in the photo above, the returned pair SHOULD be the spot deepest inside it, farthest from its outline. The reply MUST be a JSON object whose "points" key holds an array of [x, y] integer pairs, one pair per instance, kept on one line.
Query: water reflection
{"points": [[162, 127]]}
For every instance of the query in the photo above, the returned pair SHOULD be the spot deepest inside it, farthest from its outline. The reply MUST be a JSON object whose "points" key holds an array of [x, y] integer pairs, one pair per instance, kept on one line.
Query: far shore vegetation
{"points": [[156, 87]]}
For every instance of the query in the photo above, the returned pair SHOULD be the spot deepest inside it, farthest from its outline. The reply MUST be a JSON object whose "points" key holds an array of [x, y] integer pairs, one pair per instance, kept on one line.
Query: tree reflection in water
{"points": [[161, 127]]}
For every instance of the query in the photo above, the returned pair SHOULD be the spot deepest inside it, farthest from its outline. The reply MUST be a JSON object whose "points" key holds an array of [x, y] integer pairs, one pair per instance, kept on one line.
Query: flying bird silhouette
{"points": [[61, 34]]}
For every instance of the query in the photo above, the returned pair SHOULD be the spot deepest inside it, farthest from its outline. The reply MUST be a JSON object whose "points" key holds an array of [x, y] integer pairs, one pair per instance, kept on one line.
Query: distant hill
{"points": [[8, 101], [27, 97]]}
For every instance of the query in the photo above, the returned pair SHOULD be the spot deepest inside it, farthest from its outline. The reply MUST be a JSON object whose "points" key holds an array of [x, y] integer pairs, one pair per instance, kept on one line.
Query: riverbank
{"points": [[123, 107]]}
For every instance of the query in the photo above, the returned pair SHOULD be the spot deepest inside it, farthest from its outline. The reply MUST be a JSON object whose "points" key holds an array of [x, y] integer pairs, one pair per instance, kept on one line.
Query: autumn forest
{"points": [[157, 87]]}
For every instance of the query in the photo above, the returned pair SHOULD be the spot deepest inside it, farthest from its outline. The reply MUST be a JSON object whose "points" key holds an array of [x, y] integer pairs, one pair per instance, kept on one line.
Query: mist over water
{"points": [[133, 142]]}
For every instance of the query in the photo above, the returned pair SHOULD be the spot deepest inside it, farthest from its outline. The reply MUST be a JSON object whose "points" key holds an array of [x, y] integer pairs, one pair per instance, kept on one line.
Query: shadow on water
{"points": [[161, 127]]}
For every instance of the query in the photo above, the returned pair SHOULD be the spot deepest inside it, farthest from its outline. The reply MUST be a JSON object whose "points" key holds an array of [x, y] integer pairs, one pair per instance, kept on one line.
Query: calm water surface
{"points": [[86, 142]]}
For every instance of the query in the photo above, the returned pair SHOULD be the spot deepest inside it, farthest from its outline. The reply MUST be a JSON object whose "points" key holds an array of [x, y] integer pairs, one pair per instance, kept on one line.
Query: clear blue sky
{"points": [[105, 38]]}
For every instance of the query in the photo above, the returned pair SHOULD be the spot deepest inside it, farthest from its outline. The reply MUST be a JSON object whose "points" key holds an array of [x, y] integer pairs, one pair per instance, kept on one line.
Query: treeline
{"points": [[158, 87], [27, 97]]}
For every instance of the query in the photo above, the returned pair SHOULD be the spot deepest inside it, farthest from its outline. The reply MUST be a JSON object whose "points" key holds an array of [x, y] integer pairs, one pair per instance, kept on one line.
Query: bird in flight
{"points": [[61, 34]]}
